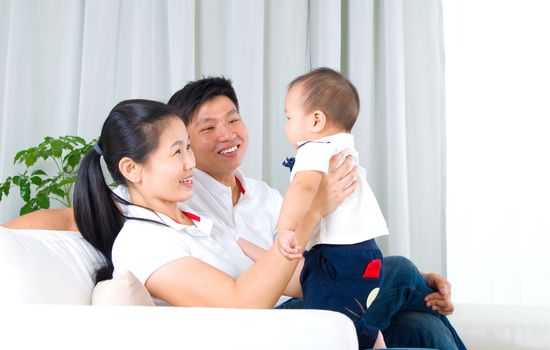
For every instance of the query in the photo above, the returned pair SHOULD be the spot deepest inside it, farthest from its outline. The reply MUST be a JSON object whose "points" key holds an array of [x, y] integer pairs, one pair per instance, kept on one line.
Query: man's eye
{"points": [[210, 128], [234, 120]]}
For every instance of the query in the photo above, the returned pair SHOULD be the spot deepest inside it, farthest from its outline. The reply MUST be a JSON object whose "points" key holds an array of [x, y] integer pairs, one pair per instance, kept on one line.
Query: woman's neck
{"points": [[167, 208]]}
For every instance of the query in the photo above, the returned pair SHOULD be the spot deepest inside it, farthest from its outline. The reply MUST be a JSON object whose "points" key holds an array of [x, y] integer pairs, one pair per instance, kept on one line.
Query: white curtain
{"points": [[65, 63]]}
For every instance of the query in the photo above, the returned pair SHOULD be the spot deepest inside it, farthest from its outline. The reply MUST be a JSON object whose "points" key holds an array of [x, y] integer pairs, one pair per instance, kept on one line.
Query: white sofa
{"points": [[47, 291]]}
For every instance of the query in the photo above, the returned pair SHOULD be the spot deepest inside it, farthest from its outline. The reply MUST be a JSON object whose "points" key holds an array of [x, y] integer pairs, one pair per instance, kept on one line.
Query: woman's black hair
{"points": [[131, 130]]}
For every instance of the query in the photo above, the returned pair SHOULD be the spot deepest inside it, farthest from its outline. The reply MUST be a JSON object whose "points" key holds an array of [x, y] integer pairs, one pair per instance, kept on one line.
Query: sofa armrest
{"points": [[132, 327], [503, 327]]}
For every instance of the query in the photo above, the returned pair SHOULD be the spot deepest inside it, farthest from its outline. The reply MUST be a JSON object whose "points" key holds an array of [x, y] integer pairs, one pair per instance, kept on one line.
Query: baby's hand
{"points": [[288, 245]]}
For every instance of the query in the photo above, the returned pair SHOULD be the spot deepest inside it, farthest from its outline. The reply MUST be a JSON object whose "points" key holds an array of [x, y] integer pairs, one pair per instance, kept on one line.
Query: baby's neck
{"points": [[326, 132]]}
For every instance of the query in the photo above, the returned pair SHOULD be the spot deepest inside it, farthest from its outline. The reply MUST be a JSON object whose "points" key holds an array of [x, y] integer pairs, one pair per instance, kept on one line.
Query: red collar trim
{"points": [[243, 191], [192, 216]]}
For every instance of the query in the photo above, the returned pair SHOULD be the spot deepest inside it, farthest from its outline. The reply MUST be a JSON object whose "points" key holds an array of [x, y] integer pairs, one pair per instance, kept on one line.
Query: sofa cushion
{"points": [[46, 267], [124, 289]]}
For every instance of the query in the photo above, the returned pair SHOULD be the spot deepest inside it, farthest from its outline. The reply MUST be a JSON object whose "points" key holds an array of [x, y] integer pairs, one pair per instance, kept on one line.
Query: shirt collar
{"points": [[343, 138], [214, 185], [201, 224]]}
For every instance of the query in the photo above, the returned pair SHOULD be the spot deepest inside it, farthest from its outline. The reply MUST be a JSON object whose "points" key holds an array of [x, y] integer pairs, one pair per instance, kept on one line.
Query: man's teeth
{"points": [[229, 150]]}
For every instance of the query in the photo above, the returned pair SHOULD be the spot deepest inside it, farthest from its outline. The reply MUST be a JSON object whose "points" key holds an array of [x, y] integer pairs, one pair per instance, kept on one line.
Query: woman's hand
{"points": [[440, 300], [336, 186]]}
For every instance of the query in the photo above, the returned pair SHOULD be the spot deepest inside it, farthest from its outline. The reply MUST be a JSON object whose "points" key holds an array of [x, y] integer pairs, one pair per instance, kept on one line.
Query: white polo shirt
{"points": [[143, 247], [359, 217], [254, 217]]}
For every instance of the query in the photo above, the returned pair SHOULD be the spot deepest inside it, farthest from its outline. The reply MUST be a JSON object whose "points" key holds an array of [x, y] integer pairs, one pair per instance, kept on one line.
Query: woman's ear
{"points": [[319, 121], [130, 169]]}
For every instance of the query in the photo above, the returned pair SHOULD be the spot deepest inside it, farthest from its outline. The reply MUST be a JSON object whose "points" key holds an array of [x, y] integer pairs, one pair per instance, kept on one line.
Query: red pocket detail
{"points": [[373, 269]]}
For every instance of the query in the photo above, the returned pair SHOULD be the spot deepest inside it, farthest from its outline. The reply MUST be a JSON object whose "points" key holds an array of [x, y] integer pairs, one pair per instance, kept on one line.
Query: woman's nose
{"points": [[189, 162]]}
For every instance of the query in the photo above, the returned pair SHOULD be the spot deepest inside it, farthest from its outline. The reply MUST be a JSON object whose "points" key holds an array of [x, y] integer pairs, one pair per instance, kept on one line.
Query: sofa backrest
{"points": [[46, 267]]}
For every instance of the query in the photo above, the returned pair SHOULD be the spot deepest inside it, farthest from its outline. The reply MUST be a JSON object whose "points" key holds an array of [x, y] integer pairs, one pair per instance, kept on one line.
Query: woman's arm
{"points": [[200, 284], [45, 219]]}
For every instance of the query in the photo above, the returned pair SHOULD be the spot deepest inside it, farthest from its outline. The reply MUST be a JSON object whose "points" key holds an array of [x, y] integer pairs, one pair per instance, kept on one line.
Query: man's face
{"points": [[219, 138]]}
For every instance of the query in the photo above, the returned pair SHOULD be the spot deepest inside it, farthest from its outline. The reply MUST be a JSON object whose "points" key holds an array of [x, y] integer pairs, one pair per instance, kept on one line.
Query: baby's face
{"points": [[298, 126]]}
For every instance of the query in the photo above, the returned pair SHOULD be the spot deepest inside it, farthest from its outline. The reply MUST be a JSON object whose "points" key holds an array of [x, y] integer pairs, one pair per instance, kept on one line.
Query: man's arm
{"points": [[45, 219]]}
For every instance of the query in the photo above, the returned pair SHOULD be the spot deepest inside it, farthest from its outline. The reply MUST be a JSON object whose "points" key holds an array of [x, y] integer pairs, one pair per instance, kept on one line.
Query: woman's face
{"points": [[218, 137], [167, 176]]}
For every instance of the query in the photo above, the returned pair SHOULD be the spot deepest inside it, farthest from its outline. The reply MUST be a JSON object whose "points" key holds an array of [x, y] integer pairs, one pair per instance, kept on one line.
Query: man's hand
{"points": [[336, 186], [440, 300]]}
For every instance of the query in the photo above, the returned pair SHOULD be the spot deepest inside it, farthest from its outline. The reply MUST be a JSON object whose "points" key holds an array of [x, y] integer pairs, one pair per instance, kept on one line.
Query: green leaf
{"points": [[43, 201], [73, 159], [31, 159], [5, 188], [25, 189], [57, 191], [27, 208], [20, 156], [78, 139], [16, 180], [57, 148], [68, 181], [36, 180], [26, 156], [39, 172]]}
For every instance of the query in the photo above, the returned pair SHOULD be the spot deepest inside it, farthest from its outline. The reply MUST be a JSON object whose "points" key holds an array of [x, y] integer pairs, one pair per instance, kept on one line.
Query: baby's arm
{"points": [[296, 203]]}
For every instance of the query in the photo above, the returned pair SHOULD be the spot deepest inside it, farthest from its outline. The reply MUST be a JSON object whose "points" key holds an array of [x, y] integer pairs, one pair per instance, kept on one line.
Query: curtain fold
{"points": [[65, 64]]}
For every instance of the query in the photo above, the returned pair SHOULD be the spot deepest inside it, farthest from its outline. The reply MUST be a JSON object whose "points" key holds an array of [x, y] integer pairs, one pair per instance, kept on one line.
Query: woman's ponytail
{"points": [[97, 216]]}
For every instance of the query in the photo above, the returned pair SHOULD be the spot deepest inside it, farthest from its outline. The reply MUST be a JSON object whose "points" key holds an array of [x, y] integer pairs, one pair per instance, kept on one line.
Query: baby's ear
{"points": [[319, 121]]}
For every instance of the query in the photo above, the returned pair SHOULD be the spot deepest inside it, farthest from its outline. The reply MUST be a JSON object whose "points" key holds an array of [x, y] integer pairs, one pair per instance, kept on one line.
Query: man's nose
{"points": [[226, 133]]}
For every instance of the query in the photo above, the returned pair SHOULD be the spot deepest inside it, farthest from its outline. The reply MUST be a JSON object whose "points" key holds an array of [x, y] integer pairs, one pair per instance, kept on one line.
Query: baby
{"points": [[343, 266]]}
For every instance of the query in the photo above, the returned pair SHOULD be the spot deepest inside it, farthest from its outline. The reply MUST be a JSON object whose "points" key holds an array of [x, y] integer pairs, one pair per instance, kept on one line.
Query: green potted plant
{"points": [[37, 188]]}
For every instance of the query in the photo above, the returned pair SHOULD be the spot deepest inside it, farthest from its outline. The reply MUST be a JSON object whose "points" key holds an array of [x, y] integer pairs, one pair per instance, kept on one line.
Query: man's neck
{"points": [[230, 180]]}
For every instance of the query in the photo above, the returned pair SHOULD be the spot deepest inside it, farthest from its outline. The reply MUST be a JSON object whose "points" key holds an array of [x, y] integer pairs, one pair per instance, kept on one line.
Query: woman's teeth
{"points": [[186, 181], [229, 150]]}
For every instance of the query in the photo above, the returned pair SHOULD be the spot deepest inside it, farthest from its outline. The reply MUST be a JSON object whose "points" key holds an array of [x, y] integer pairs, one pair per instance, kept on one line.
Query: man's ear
{"points": [[319, 121], [130, 169]]}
